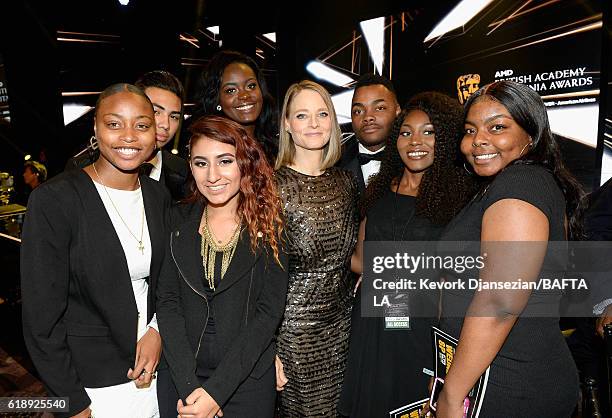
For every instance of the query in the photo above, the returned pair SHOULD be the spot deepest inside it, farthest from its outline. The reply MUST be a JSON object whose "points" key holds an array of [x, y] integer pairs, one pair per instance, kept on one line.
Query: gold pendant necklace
{"points": [[141, 246], [210, 248]]}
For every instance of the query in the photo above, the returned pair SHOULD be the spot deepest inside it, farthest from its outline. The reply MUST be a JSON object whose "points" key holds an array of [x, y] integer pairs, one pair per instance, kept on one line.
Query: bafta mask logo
{"points": [[466, 86]]}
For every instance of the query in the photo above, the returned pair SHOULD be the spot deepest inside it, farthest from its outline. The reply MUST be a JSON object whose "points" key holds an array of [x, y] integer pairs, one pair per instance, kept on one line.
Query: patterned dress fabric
{"points": [[321, 230]]}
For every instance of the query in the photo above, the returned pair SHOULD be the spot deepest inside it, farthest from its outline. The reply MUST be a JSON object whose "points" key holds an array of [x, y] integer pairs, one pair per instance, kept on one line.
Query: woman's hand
{"points": [[148, 350], [86, 413], [281, 379], [446, 407], [199, 405]]}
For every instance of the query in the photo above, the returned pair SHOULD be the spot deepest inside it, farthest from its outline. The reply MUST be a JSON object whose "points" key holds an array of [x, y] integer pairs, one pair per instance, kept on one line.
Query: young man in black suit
{"points": [[165, 92], [373, 110]]}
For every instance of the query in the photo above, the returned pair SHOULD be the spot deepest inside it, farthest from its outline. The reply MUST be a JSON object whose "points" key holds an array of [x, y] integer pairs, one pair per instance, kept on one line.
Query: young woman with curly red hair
{"points": [[222, 292]]}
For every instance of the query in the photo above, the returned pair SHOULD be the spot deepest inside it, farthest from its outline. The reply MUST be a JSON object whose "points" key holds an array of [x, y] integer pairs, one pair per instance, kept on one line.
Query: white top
{"points": [[126, 400], [129, 204], [372, 167], [155, 173]]}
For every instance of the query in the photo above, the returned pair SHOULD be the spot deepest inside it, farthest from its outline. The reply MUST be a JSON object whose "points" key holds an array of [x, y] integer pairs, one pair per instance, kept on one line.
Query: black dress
{"points": [[385, 367], [533, 375]]}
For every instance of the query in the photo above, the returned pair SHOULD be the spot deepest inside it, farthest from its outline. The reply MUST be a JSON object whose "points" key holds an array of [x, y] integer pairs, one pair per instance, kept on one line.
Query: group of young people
{"points": [[135, 306]]}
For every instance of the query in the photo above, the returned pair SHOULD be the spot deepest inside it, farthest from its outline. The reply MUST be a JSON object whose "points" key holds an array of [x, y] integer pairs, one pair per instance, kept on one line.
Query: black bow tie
{"points": [[366, 158]]}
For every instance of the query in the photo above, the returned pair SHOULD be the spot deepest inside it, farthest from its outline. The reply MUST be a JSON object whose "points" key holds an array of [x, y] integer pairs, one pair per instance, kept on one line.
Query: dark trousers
{"points": [[255, 398]]}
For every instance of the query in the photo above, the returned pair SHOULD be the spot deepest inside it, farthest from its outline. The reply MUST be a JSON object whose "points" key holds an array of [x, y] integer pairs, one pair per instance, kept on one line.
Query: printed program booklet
{"points": [[413, 410], [444, 351]]}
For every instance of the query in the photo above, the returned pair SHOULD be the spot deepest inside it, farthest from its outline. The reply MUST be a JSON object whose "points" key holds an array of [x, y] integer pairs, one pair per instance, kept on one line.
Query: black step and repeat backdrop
{"points": [[456, 47], [552, 46]]}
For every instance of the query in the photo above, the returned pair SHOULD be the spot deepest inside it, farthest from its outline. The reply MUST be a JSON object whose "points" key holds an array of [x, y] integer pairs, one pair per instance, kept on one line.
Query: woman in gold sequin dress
{"points": [[320, 205]]}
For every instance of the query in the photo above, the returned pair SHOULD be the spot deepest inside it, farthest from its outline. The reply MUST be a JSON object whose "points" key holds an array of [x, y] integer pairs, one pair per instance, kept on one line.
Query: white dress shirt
{"points": [[156, 161], [372, 167]]}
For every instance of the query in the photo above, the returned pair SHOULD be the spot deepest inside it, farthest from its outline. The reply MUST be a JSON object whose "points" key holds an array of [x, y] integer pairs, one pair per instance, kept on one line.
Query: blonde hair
{"points": [[286, 147]]}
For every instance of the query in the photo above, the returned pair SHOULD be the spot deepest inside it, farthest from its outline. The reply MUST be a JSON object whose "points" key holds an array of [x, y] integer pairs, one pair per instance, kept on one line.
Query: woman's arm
{"points": [[149, 346], [148, 352], [247, 348], [45, 282], [357, 257], [492, 314]]}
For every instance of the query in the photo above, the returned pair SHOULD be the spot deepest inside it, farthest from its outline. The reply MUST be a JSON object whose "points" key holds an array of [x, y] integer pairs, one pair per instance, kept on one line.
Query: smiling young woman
{"points": [[320, 205], [93, 243], [223, 287], [418, 189], [234, 86], [529, 196]]}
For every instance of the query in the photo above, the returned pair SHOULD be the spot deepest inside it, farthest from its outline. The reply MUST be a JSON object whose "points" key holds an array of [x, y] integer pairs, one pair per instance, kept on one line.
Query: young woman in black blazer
{"points": [[93, 245], [222, 292]]}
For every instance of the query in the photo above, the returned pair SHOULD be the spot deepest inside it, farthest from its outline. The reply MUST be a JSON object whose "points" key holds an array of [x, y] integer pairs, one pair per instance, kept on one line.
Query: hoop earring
{"points": [[219, 108], [470, 172], [93, 142], [529, 144]]}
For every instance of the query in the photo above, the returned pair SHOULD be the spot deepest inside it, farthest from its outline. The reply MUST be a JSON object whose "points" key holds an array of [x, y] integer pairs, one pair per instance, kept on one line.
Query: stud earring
{"points": [[218, 108]]}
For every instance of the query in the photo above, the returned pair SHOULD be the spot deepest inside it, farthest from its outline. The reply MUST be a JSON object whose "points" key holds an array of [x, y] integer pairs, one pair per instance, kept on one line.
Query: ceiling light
{"points": [[324, 72], [342, 104], [458, 17], [374, 34], [270, 36], [124, 2], [74, 111]]}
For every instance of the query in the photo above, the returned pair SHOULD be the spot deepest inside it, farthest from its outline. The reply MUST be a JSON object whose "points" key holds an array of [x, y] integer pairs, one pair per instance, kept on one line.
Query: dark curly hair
{"points": [[528, 110], [446, 186], [266, 128], [259, 204]]}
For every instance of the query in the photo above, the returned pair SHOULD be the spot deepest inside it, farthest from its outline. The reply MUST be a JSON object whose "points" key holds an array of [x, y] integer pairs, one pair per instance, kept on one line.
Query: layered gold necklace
{"points": [[211, 246], [141, 246]]}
